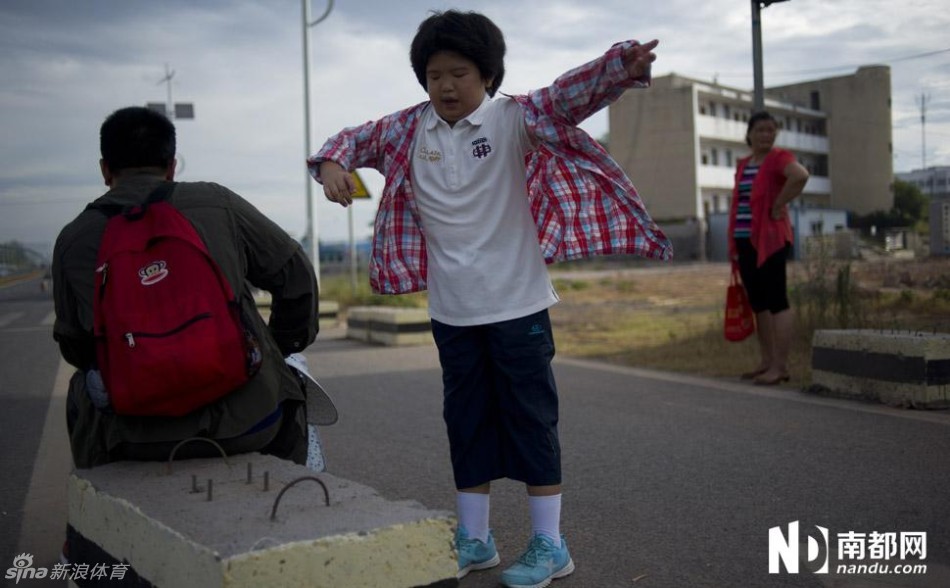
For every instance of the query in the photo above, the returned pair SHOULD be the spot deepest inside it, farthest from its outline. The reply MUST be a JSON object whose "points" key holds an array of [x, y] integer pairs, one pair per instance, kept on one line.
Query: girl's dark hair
{"points": [[137, 137], [471, 35], [757, 117]]}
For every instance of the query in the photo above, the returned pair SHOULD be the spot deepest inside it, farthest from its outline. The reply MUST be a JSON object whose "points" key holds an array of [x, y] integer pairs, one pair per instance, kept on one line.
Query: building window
{"points": [[712, 109], [715, 156], [815, 100], [702, 109], [729, 157], [705, 159], [817, 227], [725, 111]]}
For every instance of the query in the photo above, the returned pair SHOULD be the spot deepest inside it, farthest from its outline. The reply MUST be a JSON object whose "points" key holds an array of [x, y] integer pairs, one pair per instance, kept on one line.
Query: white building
{"points": [[679, 141], [933, 181]]}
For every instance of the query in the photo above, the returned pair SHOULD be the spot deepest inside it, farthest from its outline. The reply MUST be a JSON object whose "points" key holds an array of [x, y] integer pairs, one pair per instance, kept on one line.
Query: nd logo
{"points": [[785, 548]]}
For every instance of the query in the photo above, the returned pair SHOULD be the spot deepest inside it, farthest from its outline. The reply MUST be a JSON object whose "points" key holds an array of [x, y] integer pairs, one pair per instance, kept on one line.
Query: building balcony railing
{"points": [[733, 131], [712, 177], [817, 185], [718, 177]]}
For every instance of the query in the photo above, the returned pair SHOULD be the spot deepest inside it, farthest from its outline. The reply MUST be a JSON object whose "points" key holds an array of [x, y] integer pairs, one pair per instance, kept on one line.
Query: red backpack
{"points": [[168, 330]]}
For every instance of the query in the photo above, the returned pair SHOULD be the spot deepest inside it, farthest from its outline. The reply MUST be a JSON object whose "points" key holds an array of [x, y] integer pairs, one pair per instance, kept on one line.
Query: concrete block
{"points": [[329, 309], [388, 325], [910, 369], [172, 535]]}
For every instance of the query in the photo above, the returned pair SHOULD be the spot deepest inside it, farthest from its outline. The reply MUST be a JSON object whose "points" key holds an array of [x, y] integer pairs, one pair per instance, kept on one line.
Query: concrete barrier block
{"points": [[329, 309], [171, 534], [388, 325], [910, 369]]}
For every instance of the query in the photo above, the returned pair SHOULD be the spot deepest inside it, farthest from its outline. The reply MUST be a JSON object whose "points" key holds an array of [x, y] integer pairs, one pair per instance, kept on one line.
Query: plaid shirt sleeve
{"points": [[582, 201], [352, 147], [398, 260]]}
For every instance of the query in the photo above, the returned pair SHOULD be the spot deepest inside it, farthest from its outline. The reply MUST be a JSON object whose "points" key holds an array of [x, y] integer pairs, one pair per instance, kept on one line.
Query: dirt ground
{"points": [[689, 285], [669, 316]]}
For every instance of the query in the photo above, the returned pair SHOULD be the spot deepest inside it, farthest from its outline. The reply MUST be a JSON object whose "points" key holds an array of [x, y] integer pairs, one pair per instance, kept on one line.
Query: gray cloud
{"points": [[66, 65]]}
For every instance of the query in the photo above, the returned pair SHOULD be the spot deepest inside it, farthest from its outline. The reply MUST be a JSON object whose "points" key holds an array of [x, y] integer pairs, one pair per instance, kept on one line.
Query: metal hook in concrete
{"points": [[171, 456], [326, 493]]}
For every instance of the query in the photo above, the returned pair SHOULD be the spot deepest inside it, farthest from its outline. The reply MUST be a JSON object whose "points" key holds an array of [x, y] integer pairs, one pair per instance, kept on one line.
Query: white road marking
{"points": [[45, 509]]}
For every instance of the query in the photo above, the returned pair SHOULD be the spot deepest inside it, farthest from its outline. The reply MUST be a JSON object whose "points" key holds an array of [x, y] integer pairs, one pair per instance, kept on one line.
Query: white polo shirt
{"points": [[484, 260]]}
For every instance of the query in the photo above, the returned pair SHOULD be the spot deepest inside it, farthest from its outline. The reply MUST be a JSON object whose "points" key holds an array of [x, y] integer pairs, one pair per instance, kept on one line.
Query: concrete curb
{"points": [[389, 325], [329, 309], [908, 369]]}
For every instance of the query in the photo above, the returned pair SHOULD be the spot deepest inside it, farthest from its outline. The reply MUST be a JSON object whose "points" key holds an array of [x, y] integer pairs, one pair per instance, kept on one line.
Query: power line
{"points": [[42, 201], [830, 69]]}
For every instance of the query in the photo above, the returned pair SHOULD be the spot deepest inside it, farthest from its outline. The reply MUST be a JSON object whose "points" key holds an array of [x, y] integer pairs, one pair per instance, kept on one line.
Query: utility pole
{"points": [[169, 105], [759, 91], [311, 234], [182, 110], [922, 100]]}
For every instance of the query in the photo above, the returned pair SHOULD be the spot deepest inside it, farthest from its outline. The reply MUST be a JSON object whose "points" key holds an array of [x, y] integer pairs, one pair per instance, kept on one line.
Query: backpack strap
{"points": [[135, 211]]}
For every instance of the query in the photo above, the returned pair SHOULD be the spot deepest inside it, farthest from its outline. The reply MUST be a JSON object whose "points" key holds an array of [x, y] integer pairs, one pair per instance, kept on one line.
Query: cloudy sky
{"points": [[65, 65]]}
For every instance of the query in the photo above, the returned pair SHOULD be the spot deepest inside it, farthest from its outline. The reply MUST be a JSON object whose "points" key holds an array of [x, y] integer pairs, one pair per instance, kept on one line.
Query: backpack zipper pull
{"points": [[104, 270], [130, 339]]}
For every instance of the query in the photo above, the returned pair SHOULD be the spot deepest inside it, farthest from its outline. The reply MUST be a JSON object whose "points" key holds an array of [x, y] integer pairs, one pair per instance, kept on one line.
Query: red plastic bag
{"points": [[740, 320]]}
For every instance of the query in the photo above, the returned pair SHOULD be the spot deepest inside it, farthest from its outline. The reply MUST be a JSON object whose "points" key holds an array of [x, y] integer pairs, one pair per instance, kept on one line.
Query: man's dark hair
{"points": [[471, 35], [137, 137], [757, 117]]}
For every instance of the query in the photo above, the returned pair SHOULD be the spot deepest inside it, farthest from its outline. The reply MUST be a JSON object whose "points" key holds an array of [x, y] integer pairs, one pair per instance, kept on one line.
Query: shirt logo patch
{"points": [[153, 273], [433, 155], [481, 148]]}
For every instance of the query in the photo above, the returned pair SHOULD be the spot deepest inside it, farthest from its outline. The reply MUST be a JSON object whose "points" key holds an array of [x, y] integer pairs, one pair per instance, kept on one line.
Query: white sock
{"points": [[473, 512], [546, 516]]}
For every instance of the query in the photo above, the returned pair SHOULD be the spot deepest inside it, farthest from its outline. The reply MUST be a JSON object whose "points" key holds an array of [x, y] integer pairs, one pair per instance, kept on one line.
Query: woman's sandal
{"points": [[772, 381], [753, 374]]}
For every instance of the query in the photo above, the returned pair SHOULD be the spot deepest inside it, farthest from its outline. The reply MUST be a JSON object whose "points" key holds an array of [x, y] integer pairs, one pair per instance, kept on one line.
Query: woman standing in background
{"points": [[760, 237]]}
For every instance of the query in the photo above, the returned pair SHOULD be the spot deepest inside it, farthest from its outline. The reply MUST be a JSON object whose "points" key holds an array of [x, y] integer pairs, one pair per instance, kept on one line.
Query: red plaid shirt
{"points": [[582, 202]]}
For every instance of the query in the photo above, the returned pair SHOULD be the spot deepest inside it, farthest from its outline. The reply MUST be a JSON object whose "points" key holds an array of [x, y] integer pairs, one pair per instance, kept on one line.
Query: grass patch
{"points": [[672, 319], [339, 287]]}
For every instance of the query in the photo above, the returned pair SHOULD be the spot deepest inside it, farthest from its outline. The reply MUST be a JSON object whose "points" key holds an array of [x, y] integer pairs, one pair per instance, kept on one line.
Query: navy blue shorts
{"points": [[500, 406], [766, 285]]}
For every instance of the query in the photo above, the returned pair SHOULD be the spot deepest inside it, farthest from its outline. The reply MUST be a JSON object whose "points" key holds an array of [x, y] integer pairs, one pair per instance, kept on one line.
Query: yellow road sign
{"points": [[361, 191]]}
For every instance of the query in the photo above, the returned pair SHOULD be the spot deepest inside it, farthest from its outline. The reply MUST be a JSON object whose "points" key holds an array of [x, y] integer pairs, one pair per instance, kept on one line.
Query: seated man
{"points": [[267, 413]]}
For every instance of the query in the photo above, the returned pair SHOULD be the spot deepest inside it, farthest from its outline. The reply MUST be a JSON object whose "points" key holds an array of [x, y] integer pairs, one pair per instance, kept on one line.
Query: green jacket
{"points": [[252, 251]]}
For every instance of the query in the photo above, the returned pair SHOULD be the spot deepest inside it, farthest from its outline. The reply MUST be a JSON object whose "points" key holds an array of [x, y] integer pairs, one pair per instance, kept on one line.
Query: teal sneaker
{"points": [[474, 554], [541, 563]]}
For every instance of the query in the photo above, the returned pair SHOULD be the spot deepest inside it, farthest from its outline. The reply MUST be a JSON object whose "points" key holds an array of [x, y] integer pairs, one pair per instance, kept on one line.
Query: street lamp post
{"points": [[759, 91], [311, 235]]}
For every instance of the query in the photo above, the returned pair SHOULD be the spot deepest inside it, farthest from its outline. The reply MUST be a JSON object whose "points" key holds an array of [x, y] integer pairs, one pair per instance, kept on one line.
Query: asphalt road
{"points": [[669, 481], [29, 362]]}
